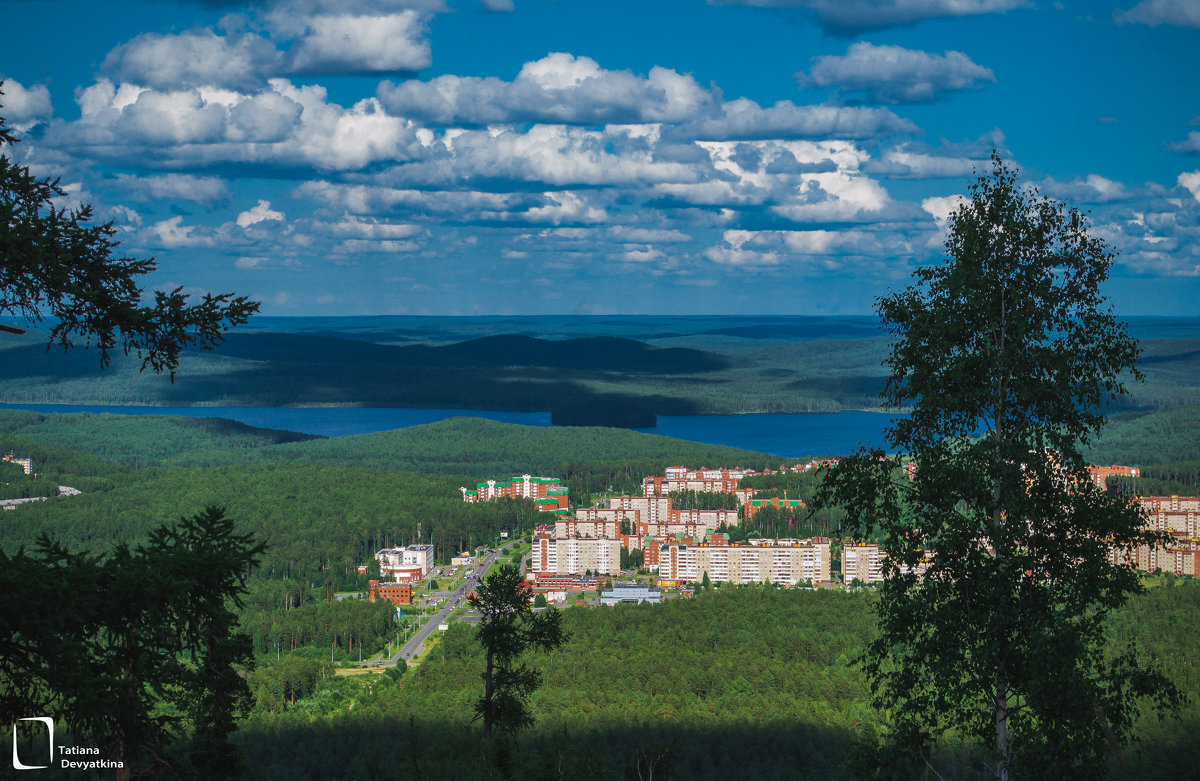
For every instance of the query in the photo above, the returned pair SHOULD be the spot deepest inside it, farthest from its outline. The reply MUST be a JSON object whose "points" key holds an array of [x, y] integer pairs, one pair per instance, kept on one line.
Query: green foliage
{"points": [[1149, 438], [151, 653], [703, 500], [1007, 358], [508, 628], [57, 266]]}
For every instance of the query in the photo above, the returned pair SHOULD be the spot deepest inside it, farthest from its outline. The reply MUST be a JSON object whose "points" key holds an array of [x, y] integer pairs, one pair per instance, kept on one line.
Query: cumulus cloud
{"points": [[745, 119], [204, 190], [560, 87], [940, 207], [1191, 181], [893, 74], [284, 126], [260, 212], [1180, 13], [173, 234], [345, 44], [1189, 146], [1092, 189], [849, 17], [24, 107], [194, 58]]}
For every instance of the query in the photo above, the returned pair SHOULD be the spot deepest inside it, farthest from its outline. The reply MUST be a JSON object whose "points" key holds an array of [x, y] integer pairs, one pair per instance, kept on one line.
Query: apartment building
{"points": [[1174, 514], [26, 464], [575, 556], [862, 561], [786, 562], [1100, 474], [680, 478], [548, 494]]}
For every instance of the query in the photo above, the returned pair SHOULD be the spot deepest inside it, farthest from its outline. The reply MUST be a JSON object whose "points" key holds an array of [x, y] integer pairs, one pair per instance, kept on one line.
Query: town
{"points": [[621, 535]]}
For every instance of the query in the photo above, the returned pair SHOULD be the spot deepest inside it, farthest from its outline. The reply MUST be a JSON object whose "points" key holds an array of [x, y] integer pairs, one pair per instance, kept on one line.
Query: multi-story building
{"points": [[863, 562], [574, 556], [406, 564], [644, 517], [548, 494], [786, 562], [26, 464], [396, 593], [680, 478], [1100, 474], [1175, 514]]}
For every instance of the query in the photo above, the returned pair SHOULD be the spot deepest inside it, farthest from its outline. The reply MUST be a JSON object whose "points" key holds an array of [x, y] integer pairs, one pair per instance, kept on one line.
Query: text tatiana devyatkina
{"points": [[86, 764]]}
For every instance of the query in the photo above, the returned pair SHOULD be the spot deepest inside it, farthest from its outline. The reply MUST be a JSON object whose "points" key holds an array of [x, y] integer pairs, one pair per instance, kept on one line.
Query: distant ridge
{"points": [[597, 353]]}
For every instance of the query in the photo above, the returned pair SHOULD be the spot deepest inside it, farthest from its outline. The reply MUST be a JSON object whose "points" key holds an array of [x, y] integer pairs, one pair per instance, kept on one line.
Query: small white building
{"points": [[406, 564]]}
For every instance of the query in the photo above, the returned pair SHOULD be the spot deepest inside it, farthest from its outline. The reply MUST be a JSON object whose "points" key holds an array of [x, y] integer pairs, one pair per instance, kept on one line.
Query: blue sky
{"points": [[527, 156]]}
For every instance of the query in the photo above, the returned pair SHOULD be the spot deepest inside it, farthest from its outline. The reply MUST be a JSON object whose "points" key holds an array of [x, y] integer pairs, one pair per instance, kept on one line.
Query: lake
{"points": [[786, 435]]}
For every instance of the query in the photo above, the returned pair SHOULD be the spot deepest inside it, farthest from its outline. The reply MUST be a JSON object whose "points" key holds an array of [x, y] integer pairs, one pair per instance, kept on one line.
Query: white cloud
{"points": [[1181, 13], [204, 190], [745, 119], [560, 87], [1092, 189], [344, 44], [194, 58], [358, 228], [846, 17], [258, 213], [1190, 145], [285, 125], [567, 207], [1191, 181], [893, 74], [173, 234], [24, 107], [498, 5], [940, 207]]}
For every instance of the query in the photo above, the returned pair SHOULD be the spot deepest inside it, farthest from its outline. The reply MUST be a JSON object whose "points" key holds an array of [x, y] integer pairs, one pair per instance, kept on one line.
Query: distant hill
{"points": [[599, 353], [481, 448]]}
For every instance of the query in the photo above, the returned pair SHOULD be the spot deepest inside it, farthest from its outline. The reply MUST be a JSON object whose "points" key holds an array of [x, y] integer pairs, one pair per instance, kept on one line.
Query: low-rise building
{"points": [[396, 593], [630, 593]]}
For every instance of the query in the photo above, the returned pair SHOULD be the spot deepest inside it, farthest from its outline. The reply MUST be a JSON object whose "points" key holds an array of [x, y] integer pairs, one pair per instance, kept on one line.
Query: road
{"points": [[416, 643]]}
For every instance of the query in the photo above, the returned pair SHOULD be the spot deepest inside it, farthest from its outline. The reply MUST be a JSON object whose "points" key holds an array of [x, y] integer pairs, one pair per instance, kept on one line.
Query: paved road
{"points": [[416, 643]]}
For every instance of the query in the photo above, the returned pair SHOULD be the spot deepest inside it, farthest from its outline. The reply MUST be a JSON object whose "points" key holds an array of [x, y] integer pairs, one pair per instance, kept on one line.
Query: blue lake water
{"points": [[785, 435]]}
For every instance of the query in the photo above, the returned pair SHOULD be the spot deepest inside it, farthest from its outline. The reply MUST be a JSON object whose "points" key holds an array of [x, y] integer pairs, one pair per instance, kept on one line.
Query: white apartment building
{"points": [[405, 564]]}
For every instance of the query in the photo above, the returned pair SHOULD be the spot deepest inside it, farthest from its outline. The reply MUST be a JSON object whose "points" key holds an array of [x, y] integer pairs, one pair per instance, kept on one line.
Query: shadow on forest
{"points": [[384, 748]]}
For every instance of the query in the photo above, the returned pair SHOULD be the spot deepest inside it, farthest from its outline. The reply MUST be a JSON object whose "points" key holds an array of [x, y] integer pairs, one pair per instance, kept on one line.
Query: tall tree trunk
{"points": [[488, 689]]}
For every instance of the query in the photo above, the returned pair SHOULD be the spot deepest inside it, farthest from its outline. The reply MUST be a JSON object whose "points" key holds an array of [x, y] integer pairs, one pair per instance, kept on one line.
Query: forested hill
{"points": [[486, 448], [469, 447], [136, 440]]}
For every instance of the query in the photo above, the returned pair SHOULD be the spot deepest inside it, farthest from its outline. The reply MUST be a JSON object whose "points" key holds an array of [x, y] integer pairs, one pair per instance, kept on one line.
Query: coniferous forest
{"points": [[750, 680]]}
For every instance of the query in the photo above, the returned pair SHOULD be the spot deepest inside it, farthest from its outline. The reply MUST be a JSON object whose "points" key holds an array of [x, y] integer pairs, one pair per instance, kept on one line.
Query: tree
{"points": [[508, 628], [57, 265], [153, 651], [1006, 354]]}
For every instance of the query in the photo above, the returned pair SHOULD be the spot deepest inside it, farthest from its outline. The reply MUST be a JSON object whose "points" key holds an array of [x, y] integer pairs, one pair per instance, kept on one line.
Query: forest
{"points": [[750, 682]]}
